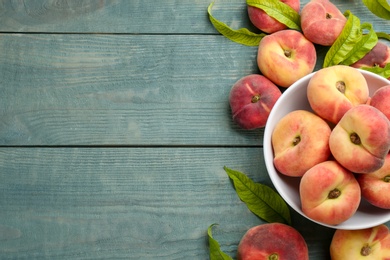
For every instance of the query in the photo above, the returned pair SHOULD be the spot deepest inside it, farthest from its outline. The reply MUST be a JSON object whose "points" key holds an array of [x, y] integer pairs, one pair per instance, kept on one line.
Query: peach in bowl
{"points": [[298, 152]]}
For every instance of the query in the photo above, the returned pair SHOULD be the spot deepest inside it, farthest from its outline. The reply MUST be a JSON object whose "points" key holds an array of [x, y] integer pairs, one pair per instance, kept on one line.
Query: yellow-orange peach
{"points": [[334, 90], [329, 193], [361, 139], [300, 140], [286, 56], [362, 244]]}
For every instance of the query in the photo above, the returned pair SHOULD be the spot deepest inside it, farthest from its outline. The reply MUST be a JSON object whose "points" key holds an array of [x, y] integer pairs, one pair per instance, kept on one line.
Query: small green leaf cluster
{"points": [[260, 199]]}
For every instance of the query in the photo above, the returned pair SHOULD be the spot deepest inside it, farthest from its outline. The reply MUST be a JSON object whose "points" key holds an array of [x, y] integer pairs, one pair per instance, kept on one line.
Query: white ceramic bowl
{"points": [[295, 98]]}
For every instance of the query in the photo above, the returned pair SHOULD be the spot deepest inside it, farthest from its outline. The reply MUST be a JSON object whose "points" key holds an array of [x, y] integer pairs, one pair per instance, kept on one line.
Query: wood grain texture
{"points": [[121, 90], [133, 203], [116, 16], [147, 16], [83, 89], [115, 127], [129, 203]]}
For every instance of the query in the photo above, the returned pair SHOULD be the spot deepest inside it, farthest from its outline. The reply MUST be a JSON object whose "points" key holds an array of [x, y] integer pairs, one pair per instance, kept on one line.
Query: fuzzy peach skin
{"points": [[363, 244], [361, 140], [329, 193], [380, 100], [334, 90], [378, 56], [251, 99], [375, 186], [322, 22], [272, 241], [286, 56], [266, 23], [300, 140]]}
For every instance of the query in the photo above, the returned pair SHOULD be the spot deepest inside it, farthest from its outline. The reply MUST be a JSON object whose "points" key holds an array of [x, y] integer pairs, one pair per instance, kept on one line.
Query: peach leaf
{"points": [[383, 35], [242, 36], [378, 7], [214, 247], [261, 199], [384, 72], [279, 11], [344, 44], [363, 46]]}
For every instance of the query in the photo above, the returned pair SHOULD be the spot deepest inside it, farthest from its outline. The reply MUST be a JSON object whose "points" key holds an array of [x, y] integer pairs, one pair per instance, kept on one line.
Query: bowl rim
{"points": [[276, 177]]}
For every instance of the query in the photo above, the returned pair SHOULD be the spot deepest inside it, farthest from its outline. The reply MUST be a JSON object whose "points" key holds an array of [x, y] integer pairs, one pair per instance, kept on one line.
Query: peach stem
{"points": [[334, 194], [296, 140], [274, 256], [287, 53], [366, 250], [355, 139], [255, 98], [340, 85]]}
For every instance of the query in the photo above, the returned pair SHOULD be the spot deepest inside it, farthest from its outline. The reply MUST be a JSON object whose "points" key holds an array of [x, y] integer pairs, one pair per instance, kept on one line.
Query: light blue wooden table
{"points": [[115, 127]]}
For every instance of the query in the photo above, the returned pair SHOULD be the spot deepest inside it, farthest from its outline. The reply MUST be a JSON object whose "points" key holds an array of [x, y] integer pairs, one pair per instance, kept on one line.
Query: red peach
{"points": [[272, 241], [251, 100], [322, 22], [380, 100], [377, 56], [266, 23], [375, 185]]}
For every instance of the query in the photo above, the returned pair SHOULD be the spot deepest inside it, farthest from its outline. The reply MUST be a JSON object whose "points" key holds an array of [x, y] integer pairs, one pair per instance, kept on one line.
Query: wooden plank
{"points": [[147, 16], [126, 73], [114, 16], [121, 90], [133, 203]]}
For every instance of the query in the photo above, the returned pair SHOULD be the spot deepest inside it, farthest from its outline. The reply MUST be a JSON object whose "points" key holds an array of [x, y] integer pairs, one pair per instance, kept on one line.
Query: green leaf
{"points": [[384, 72], [344, 44], [378, 7], [280, 11], [362, 47], [262, 200], [383, 35], [242, 36], [215, 250]]}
